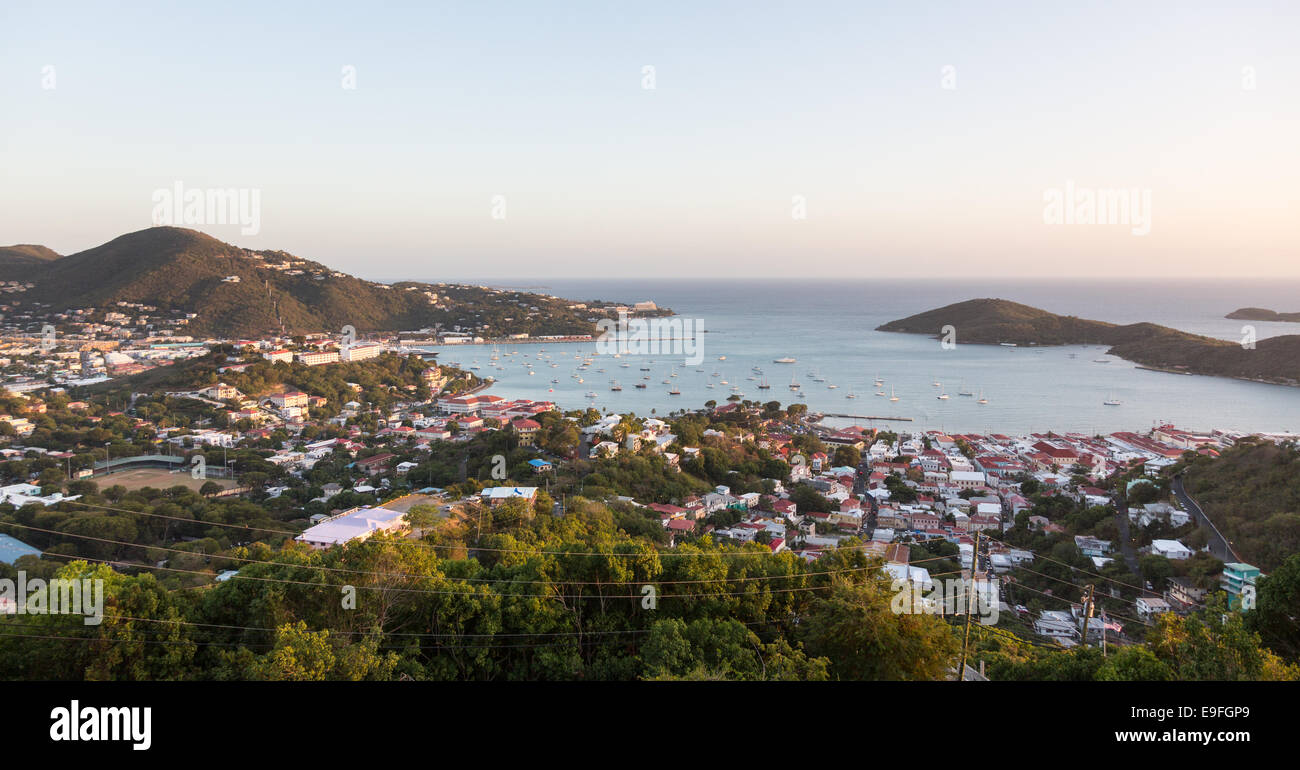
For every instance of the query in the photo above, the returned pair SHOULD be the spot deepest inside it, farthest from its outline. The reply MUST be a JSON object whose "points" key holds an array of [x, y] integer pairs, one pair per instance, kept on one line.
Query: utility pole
{"points": [[1087, 613], [965, 639]]}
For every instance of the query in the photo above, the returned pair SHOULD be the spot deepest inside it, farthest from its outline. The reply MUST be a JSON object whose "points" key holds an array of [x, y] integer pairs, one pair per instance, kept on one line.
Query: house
{"points": [[494, 496], [19, 495], [291, 398], [603, 449], [1059, 626], [1238, 580], [1091, 546], [681, 525], [1148, 606], [539, 466], [221, 392], [967, 479], [375, 463], [354, 524], [1170, 549], [1183, 593], [526, 429]]}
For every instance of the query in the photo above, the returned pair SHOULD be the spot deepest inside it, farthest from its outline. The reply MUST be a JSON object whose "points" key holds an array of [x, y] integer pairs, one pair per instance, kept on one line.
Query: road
{"points": [[1219, 545], [1125, 537]]}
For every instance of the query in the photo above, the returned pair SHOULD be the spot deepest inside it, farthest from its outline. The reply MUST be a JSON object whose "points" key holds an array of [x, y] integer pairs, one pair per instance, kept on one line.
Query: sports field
{"points": [[160, 478]]}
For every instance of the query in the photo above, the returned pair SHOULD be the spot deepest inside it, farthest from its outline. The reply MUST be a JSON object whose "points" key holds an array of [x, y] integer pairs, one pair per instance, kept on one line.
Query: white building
{"points": [[361, 351], [356, 524], [1170, 549]]}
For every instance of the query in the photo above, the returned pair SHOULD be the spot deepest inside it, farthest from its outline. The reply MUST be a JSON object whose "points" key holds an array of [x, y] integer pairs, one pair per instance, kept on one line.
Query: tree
{"points": [[422, 517], [1156, 569], [209, 488], [1142, 493], [856, 628], [847, 456], [1215, 644], [1276, 617]]}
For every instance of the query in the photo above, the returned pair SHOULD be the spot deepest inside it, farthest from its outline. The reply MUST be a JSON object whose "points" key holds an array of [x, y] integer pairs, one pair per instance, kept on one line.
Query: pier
{"points": [[867, 417]]}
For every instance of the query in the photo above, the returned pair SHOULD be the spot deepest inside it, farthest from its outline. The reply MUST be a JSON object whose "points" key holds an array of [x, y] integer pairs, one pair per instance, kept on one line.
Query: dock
{"points": [[867, 417]]}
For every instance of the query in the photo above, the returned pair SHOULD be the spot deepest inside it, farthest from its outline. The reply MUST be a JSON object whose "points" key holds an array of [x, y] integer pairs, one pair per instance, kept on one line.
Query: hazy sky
{"points": [[845, 111]]}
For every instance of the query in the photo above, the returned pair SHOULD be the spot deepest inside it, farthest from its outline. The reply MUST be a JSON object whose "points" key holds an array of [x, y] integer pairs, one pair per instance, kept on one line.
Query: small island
{"points": [[1274, 360], [1262, 314]]}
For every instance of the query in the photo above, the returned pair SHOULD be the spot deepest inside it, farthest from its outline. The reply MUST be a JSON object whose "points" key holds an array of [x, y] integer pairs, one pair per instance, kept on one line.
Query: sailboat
{"points": [[763, 385], [850, 395], [961, 390], [613, 385], [879, 381], [943, 396], [982, 400], [1112, 401], [892, 397], [794, 385], [674, 391]]}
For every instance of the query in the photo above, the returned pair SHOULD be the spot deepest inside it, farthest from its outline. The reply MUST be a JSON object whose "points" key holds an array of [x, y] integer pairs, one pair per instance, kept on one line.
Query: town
{"points": [[1080, 540]]}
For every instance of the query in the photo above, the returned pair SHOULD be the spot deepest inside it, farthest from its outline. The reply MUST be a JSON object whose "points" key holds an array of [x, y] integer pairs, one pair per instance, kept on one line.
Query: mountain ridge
{"points": [[240, 292]]}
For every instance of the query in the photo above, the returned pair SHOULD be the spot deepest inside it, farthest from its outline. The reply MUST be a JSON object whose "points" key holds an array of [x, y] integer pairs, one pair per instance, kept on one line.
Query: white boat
{"points": [[1112, 401], [892, 397], [982, 400], [783, 360]]}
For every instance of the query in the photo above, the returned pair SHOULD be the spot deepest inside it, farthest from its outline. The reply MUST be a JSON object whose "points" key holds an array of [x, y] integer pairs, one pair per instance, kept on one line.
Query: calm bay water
{"points": [[829, 327]]}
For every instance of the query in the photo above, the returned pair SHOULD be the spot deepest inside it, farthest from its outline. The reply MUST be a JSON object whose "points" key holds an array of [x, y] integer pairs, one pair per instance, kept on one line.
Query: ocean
{"points": [[829, 328]]}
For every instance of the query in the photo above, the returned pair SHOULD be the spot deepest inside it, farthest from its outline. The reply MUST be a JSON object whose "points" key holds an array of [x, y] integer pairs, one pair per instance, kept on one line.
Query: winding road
{"points": [[1219, 545]]}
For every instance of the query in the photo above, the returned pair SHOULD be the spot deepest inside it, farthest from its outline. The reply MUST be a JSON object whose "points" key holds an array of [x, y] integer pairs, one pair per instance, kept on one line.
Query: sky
{"points": [[438, 141]]}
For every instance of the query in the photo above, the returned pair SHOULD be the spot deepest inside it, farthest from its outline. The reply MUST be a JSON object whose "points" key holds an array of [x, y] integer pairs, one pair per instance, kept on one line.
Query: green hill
{"points": [[994, 321], [1252, 494], [17, 262], [185, 270]]}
